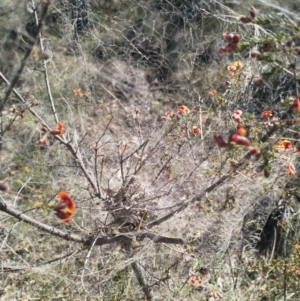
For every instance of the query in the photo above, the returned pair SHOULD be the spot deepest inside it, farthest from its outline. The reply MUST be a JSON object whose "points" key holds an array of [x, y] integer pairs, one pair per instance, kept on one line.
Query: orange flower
{"points": [[60, 130], [212, 92], [238, 64], [240, 130], [220, 141], [195, 130], [65, 208], [290, 168], [183, 110], [236, 115], [194, 280], [77, 92], [266, 114], [286, 144], [297, 247]]}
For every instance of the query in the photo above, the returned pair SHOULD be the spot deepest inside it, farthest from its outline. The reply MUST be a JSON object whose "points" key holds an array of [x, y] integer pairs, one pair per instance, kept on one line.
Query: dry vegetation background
{"points": [[162, 214]]}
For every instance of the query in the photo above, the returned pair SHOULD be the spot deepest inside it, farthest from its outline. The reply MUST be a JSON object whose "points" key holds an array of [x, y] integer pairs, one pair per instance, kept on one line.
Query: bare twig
{"points": [[45, 71], [25, 58], [20, 70], [183, 205], [25, 218], [139, 274]]}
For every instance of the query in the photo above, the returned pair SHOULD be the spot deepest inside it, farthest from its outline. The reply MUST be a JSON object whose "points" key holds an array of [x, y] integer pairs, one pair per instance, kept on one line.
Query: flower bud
{"points": [[252, 12], [245, 19]]}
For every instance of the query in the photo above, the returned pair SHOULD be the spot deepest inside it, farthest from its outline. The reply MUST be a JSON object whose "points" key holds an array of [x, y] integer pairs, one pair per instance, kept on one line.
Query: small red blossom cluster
{"points": [[238, 138], [194, 279], [216, 295], [287, 144], [266, 114], [232, 40], [58, 131], [181, 111]]}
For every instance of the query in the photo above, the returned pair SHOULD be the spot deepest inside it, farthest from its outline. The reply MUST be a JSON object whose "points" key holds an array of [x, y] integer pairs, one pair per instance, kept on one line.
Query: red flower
{"points": [[239, 140], [183, 110], [196, 131], [266, 113], [65, 208], [286, 144], [232, 39], [60, 130], [296, 104]]}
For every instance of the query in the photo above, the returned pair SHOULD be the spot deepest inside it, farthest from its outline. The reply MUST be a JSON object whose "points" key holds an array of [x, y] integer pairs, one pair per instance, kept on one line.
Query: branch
{"points": [[45, 71], [183, 205], [141, 280], [139, 236], [91, 240], [22, 100], [27, 219], [25, 58], [139, 274]]}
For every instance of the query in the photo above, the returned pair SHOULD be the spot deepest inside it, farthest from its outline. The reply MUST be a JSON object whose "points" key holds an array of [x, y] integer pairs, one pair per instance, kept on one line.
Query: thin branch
{"points": [[141, 280], [22, 100], [25, 218], [138, 273], [45, 71], [25, 58], [67, 144], [91, 240], [183, 205]]}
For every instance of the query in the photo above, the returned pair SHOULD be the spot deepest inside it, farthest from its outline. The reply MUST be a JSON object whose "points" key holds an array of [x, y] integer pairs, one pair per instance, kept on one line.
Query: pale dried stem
{"points": [[45, 71]]}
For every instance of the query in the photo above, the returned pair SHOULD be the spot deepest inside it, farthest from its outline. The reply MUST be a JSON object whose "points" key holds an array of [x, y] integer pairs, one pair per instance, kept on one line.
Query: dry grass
{"points": [[137, 60]]}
